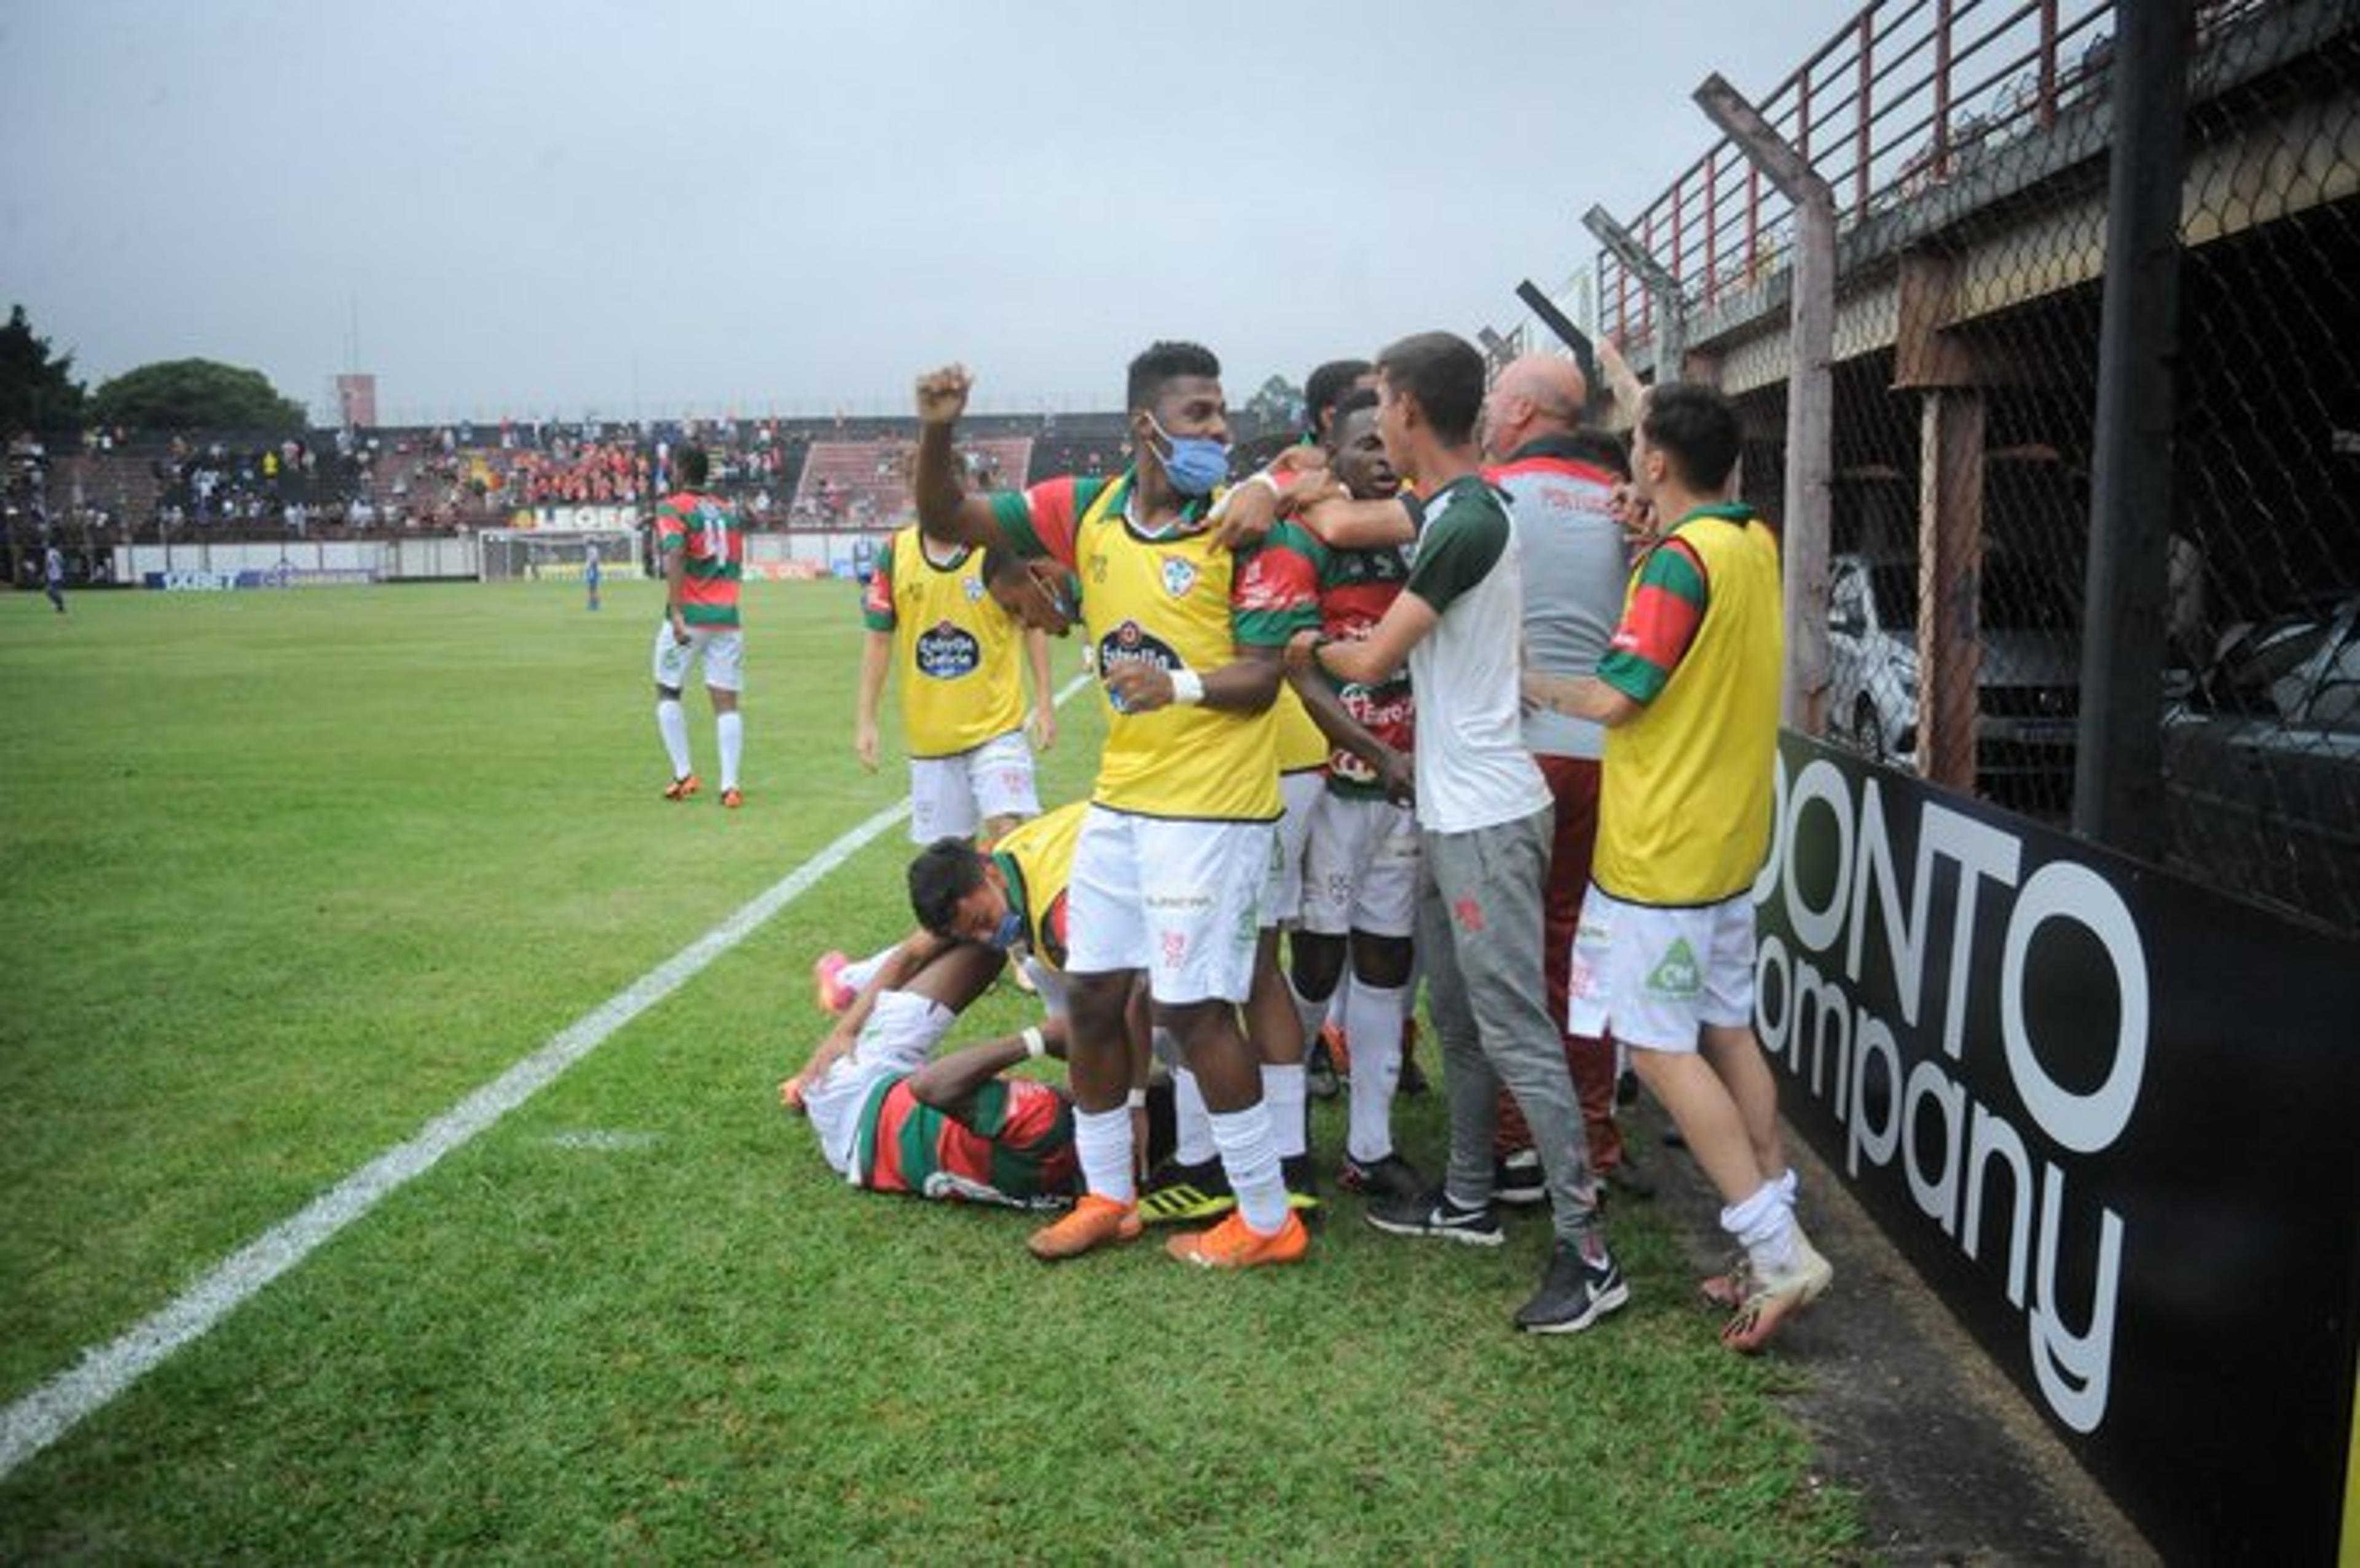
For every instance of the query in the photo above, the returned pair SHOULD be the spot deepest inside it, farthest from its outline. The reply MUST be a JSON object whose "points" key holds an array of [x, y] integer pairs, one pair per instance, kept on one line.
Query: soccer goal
{"points": [[528, 554]]}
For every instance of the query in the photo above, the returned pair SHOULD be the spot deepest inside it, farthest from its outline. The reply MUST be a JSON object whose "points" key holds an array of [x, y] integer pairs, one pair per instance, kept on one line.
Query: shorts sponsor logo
{"points": [[947, 652], [1675, 974], [1175, 949]]}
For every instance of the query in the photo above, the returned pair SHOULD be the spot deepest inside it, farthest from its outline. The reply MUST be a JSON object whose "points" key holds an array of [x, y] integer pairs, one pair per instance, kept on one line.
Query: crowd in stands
{"points": [[112, 486]]}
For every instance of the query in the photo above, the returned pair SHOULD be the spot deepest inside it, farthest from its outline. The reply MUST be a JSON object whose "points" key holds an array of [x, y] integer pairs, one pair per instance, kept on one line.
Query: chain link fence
{"points": [[1966, 143]]}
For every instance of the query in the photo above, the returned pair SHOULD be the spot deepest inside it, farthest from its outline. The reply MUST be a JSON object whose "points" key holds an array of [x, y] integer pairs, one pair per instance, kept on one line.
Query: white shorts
{"points": [[902, 1030], [1656, 976], [1360, 871], [1177, 899], [723, 649], [1282, 894], [951, 797]]}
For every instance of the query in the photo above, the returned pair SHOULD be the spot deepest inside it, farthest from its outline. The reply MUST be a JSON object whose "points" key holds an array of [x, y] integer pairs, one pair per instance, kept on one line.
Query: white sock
{"points": [[1251, 1158], [1372, 1022], [1192, 1123], [1765, 1225], [1102, 1144], [1312, 1013], [673, 724], [731, 727], [1283, 1092]]}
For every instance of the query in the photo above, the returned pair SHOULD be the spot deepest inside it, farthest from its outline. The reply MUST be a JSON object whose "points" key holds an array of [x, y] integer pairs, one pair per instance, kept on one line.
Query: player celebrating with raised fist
{"points": [[1176, 845]]}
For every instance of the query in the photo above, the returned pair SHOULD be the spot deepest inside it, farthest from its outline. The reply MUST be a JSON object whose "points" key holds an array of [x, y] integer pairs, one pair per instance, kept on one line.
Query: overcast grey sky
{"points": [[537, 208]]}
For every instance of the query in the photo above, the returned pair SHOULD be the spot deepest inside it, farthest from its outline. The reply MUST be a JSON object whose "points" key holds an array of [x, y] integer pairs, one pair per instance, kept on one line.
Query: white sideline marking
{"points": [[46, 1414], [50, 1411]]}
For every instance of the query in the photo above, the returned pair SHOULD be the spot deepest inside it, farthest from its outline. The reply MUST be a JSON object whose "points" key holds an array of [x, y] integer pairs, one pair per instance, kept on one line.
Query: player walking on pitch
{"points": [[704, 551]]}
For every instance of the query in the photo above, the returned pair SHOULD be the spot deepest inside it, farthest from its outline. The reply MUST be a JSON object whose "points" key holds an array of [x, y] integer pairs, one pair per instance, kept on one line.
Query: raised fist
{"points": [[941, 394]]}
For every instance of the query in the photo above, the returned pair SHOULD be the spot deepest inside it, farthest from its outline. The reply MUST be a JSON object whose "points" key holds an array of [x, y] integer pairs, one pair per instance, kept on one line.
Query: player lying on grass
{"points": [[890, 1120]]}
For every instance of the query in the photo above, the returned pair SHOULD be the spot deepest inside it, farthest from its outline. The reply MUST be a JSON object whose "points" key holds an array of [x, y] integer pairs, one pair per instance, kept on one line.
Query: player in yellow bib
{"points": [[1169, 870], [1688, 693], [931, 614]]}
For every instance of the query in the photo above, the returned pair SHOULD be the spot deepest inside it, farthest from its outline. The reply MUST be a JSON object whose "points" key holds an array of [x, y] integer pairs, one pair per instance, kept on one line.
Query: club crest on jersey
{"points": [[1179, 576], [972, 587]]}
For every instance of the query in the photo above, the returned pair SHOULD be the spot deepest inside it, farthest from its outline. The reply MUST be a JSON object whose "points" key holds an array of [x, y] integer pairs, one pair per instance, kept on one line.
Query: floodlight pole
{"points": [[1671, 305], [1810, 395]]}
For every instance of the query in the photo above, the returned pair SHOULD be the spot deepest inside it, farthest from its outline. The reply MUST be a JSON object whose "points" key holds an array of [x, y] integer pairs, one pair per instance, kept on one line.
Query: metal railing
{"points": [[1894, 105]]}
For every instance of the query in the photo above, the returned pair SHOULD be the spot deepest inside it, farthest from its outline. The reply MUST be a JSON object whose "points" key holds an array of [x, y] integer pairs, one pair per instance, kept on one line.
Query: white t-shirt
{"points": [[1472, 769]]}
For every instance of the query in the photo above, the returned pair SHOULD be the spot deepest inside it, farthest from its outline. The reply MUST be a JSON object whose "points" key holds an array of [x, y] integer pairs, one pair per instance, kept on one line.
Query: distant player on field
{"points": [[590, 574], [703, 550]]}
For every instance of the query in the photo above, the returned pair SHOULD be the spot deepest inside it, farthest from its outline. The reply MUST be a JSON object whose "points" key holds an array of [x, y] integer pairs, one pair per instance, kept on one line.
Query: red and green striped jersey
{"points": [[1668, 600], [714, 549], [1015, 1145], [1352, 589]]}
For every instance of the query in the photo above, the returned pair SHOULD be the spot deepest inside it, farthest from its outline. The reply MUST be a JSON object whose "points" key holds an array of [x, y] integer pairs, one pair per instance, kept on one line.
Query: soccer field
{"points": [[289, 876]]}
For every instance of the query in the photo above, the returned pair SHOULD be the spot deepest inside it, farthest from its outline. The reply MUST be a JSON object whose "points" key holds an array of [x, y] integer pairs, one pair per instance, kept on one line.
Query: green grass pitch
{"points": [[287, 874]]}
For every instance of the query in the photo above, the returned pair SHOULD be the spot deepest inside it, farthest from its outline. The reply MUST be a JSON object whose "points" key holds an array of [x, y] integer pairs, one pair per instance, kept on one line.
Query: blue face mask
{"points": [[1010, 932], [1196, 464]]}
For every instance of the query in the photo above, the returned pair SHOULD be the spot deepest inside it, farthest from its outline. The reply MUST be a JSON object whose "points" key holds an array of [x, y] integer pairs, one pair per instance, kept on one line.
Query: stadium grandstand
{"points": [[102, 496]]}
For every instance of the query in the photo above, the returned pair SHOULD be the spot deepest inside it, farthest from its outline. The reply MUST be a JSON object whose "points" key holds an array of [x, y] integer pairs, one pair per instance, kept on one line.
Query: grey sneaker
{"points": [[1575, 1293], [1392, 1179], [1433, 1213]]}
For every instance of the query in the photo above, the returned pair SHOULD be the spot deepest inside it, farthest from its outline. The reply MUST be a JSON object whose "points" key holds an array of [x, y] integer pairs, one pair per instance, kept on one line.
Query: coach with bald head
{"points": [[1559, 479]]}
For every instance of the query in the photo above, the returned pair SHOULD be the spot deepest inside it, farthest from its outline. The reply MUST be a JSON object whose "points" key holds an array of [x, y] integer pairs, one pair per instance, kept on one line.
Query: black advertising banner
{"points": [[2110, 1118]]}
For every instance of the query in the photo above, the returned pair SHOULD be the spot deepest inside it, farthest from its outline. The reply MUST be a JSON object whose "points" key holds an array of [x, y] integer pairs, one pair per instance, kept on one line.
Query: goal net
{"points": [[528, 554]]}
